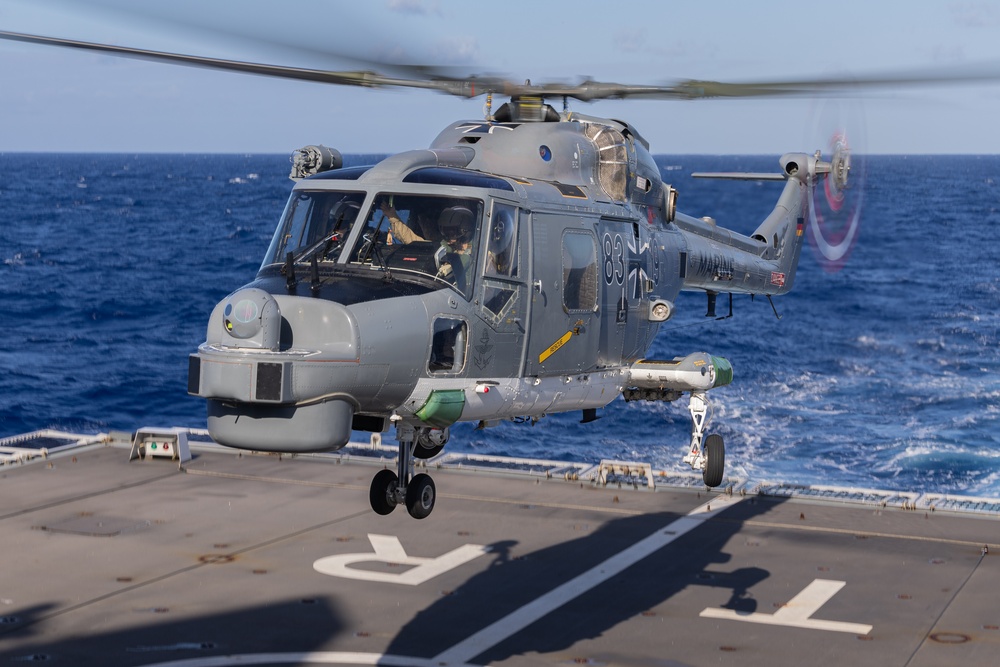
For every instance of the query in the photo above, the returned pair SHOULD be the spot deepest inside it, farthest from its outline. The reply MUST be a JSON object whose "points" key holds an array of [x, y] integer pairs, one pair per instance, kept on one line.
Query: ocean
{"points": [[881, 375]]}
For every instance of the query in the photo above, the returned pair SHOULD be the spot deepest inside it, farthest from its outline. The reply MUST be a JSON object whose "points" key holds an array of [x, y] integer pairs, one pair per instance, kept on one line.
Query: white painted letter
{"points": [[797, 612], [389, 550]]}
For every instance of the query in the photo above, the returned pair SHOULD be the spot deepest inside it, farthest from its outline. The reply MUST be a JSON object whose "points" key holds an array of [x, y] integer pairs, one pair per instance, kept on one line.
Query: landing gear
{"points": [[420, 494], [383, 491], [417, 492], [430, 442], [706, 454]]}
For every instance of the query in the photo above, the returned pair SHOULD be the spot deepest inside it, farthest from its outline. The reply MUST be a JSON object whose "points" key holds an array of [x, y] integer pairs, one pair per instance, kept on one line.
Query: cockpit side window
{"points": [[315, 223], [501, 249], [432, 235], [502, 259]]}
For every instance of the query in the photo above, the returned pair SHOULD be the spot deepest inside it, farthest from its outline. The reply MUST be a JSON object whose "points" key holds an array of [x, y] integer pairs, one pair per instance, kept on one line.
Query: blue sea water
{"points": [[882, 375]]}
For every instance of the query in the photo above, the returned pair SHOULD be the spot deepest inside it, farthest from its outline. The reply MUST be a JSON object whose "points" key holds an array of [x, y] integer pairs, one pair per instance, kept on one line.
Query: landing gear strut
{"points": [[706, 454], [418, 493]]}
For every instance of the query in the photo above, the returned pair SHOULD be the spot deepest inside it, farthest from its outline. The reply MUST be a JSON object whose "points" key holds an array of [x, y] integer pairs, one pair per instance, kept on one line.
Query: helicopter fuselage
{"points": [[364, 314]]}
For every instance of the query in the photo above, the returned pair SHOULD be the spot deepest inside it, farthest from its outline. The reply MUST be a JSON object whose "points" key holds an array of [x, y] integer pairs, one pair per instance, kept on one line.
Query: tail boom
{"points": [[720, 260]]}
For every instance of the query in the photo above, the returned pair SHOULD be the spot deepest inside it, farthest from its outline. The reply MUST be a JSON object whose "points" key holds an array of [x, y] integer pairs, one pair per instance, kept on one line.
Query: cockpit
{"points": [[315, 224], [434, 236]]}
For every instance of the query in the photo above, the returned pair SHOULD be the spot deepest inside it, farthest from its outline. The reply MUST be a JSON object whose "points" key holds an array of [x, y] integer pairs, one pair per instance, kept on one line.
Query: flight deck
{"points": [[212, 557]]}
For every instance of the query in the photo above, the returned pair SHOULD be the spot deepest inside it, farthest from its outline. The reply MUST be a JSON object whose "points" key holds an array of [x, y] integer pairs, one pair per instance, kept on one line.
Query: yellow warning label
{"points": [[555, 346]]}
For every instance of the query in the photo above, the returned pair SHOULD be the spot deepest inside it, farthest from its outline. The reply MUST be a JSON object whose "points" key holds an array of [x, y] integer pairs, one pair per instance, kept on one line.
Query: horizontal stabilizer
{"points": [[740, 175]]}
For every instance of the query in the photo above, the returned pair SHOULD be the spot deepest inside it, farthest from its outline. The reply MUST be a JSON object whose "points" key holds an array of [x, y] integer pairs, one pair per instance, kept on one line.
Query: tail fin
{"points": [[783, 231]]}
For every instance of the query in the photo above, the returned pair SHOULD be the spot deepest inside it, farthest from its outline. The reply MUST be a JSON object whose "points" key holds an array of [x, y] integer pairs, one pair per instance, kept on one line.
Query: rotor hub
{"points": [[840, 165]]}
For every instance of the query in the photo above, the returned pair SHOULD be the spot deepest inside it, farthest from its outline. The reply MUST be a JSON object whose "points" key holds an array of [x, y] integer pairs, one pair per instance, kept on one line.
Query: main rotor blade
{"points": [[434, 79], [693, 89], [345, 78]]}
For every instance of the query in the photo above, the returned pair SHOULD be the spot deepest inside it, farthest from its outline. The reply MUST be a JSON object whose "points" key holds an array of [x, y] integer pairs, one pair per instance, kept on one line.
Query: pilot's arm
{"points": [[400, 232]]}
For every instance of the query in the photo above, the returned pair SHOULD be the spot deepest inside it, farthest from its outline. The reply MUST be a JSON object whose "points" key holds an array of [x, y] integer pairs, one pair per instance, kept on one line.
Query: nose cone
{"points": [[279, 373]]}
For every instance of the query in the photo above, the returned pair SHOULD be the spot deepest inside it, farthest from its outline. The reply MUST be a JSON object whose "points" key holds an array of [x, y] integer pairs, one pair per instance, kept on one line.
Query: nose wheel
{"points": [[417, 492], [420, 495], [382, 494]]}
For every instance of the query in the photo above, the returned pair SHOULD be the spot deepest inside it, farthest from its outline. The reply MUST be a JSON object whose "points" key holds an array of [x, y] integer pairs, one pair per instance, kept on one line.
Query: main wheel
{"points": [[422, 452], [382, 494], [430, 442], [715, 460], [420, 495]]}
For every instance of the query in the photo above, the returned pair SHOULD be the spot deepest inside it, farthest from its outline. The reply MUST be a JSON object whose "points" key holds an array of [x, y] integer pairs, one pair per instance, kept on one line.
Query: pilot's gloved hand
{"points": [[388, 211], [445, 271]]}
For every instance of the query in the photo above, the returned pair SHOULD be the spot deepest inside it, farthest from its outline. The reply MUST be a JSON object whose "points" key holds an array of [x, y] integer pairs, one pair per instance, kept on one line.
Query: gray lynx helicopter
{"points": [[521, 265]]}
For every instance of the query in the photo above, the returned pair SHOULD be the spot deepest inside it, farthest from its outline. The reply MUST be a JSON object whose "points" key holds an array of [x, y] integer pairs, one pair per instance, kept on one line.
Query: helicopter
{"points": [[521, 265]]}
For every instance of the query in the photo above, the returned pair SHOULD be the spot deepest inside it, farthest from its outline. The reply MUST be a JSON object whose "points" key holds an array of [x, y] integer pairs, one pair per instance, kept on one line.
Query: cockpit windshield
{"points": [[315, 223], [432, 235]]}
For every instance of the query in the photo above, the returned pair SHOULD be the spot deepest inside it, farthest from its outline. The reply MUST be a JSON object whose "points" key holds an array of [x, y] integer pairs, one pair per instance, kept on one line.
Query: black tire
{"points": [[381, 494], [715, 460], [420, 496], [421, 452]]}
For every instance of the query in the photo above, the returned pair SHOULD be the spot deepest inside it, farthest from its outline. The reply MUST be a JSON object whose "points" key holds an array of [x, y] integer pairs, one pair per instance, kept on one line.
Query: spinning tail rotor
{"points": [[835, 207]]}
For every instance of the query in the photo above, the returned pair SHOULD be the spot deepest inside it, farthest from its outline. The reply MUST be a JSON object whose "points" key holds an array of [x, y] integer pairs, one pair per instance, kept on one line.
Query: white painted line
{"points": [[389, 550], [316, 658], [797, 612], [517, 620]]}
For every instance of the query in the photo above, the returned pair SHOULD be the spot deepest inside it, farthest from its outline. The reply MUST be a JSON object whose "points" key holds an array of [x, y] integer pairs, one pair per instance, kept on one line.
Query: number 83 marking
{"points": [[614, 259]]}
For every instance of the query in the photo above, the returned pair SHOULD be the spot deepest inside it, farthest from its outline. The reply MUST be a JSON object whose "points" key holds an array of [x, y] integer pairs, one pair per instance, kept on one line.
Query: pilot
{"points": [[455, 225], [337, 228], [342, 215], [455, 230]]}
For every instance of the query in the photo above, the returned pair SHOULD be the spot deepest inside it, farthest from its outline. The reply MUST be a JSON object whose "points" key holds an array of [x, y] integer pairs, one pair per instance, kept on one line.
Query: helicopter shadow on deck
{"points": [[508, 582], [513, 580], [287, 625]]}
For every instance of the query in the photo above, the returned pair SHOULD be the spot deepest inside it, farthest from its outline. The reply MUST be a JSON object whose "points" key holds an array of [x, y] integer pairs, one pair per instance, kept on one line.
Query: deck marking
{"points": [[863, 533], [389, 550], [521, 618], [797, 612], [315, 657]]}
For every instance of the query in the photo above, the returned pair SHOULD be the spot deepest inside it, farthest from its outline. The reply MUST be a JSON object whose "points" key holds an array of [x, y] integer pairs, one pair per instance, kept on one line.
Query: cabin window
{"points": [[314, 223], [497, 298], [448, 346], [579, 264]]}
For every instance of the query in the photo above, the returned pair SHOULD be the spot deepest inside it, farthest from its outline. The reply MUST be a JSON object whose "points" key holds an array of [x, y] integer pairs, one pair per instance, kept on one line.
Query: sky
{"points": [[54, 99]]}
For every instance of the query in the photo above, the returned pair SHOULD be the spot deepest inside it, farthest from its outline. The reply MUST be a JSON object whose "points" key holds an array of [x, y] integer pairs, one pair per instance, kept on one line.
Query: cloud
{"points": [[974, 14], [455, 50], [418, 7], [947, 53], [629, 40], [636, 42]]}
